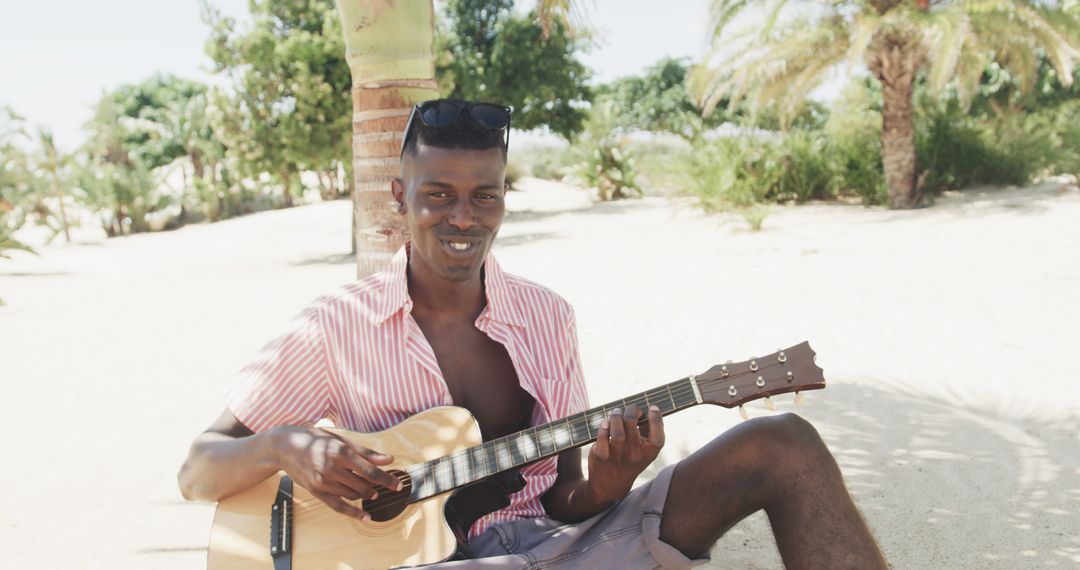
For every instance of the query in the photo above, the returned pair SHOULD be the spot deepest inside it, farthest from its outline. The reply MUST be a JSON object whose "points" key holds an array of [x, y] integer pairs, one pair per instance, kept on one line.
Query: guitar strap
{"points": [[281, 528]]}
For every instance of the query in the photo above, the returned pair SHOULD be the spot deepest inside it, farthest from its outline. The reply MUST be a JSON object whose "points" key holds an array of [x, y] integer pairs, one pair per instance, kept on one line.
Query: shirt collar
{"points": [[500, 306]]}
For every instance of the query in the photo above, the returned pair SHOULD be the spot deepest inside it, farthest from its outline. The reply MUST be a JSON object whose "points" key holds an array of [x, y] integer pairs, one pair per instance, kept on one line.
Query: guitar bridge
{"points": [[281, 528]]}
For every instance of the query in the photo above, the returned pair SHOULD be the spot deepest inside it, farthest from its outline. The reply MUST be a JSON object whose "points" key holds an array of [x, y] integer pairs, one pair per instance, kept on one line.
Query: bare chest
{"points": [[480, 377]]}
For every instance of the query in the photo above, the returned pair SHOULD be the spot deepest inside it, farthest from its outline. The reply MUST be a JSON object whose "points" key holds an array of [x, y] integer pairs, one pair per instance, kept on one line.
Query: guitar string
{"points": [[324, 511], [436, 473], [442, 467], [439, 470]]}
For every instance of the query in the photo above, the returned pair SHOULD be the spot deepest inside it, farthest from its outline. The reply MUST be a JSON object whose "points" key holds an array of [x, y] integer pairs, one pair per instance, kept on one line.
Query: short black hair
{"points": [[465, 133]]}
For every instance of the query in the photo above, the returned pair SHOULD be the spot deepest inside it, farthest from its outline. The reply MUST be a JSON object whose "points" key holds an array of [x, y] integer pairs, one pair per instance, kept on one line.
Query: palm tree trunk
{"points": [[388, 46], [894, 58]]}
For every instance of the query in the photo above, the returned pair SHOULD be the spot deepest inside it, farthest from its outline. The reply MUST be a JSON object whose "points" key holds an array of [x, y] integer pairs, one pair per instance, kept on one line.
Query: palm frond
{"points": [[1022, 29], [863, 27], [944, 34], [784, 68]]}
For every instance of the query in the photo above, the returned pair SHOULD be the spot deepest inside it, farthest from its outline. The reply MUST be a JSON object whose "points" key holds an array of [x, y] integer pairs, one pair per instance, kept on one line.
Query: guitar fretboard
{"points": [[475, 463]]}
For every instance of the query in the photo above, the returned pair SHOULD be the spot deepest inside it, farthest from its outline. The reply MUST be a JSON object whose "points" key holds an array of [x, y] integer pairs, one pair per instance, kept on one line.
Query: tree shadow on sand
{"points": [[941, 487]]}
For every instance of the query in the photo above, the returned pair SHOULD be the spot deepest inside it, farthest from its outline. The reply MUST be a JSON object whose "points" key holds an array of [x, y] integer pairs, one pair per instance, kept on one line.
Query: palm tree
{"points": [[784, 58], [389, 48]]}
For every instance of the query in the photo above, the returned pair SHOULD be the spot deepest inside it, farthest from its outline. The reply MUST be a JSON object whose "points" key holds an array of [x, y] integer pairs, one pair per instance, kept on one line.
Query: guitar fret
{"points": [[477, 462], [529, 449], [500, 453], [597, 417], [579, 430], [545, 439], [516, 457], [561, 435], [459, 461], [491, 458]]}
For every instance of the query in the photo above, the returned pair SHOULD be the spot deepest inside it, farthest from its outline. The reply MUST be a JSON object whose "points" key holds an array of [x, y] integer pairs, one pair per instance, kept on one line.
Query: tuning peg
{"points": [[769, 404], [743, 414], [800, 398]]}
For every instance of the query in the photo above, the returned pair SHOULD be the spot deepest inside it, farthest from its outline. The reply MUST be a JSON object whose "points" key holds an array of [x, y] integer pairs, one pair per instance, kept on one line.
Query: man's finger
{"points": [[618, 433], [601, 448], [630, 418], [341, 506], [358, 487], [371, 455], [656, 427], [365, 470]]}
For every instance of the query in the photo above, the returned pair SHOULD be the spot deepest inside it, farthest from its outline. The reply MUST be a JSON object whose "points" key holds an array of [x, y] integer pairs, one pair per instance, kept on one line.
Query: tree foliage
{"points": [[489, 53], [292, 107], [658, 101]]}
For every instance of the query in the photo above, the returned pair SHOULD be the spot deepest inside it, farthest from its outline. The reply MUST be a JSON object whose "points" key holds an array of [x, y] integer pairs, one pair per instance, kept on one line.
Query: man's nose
{"points": [[462, 215]]}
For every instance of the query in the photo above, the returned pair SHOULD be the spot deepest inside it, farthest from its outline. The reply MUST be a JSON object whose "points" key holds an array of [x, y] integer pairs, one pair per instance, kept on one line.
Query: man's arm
{"points": [[620, 454], [228, 458]]}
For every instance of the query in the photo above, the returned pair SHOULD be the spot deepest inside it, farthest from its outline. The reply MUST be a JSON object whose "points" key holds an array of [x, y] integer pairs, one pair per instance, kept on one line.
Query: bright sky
{"points": [[59, 56]]}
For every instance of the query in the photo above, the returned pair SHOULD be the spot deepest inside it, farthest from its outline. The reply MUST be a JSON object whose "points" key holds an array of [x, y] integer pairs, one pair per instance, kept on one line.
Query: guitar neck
{"points": [[539, 442]]}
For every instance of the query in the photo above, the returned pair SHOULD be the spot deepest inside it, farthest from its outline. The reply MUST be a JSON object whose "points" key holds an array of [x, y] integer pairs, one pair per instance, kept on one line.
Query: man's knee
{"points": [[788, 437]]}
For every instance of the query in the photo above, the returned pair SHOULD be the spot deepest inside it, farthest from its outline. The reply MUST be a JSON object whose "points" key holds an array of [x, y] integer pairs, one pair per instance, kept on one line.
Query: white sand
{"points": [[949, 336]]}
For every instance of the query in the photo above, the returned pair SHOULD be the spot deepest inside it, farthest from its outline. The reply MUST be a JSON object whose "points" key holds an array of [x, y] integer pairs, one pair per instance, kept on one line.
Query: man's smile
{"points": [[460, 247]]}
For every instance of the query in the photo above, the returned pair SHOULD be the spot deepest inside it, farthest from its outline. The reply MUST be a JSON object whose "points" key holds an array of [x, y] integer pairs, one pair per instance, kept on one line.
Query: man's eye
{"points": [[486, 196], [437, 194]]}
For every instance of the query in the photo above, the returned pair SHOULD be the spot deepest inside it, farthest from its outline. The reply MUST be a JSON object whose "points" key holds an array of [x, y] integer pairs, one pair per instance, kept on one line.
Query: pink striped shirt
{"points": [[357, 358]]}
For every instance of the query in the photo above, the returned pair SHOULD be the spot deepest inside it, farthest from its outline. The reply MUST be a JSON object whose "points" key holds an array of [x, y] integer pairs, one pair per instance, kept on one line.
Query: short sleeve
{"points": [[286, 383]]}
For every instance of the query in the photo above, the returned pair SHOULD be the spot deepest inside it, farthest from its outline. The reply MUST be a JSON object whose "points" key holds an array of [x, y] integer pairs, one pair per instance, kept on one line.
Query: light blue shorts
{"points": [[627, 535]]}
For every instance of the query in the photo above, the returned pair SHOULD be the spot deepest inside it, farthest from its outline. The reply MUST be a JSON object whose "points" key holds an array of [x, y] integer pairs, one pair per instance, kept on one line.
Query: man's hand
{"points": [[331, 468], [622, 451]]}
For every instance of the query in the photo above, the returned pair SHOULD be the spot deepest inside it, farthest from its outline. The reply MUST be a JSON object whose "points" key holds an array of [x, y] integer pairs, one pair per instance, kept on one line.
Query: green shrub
{"points": [[605, 164], [960, 151], [806, 170], [854, 135]]}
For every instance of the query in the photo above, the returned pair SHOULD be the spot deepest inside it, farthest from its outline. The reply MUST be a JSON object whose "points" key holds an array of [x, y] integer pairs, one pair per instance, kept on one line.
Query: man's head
{"points": [[452, 185]]}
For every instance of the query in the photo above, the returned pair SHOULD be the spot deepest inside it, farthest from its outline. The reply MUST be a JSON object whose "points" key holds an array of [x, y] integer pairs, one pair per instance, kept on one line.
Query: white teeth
{"points": [[459, 245]]}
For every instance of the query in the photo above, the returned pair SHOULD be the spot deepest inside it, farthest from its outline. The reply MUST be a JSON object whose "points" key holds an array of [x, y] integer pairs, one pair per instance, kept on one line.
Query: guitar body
{"points": [[323, 538]]}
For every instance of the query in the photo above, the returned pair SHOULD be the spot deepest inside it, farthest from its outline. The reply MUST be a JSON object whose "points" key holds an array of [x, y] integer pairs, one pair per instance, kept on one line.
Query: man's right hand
{"points": [[331, 468]]}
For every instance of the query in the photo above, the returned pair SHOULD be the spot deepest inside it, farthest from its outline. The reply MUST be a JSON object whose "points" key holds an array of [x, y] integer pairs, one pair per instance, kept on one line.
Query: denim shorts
{"points": [[627, 535]]}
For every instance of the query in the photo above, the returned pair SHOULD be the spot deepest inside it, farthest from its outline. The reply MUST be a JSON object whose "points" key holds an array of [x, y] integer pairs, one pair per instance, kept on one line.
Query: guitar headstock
{"points": [[788, 370]]}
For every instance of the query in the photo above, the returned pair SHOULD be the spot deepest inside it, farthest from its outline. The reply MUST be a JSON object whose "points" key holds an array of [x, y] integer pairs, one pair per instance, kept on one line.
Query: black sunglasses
{"points": [[445, 112]]}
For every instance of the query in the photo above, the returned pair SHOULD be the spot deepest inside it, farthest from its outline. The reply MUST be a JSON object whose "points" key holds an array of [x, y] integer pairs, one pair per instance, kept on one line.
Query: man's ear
{"points": [[397, 187]]}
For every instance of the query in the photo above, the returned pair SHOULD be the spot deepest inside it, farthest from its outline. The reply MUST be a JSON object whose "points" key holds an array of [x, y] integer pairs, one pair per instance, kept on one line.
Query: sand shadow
{"points": [[941, 487]]}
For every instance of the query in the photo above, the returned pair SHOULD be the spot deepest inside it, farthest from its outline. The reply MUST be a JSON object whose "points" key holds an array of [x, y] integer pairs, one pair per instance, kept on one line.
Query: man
{"points": [[445, 325]]}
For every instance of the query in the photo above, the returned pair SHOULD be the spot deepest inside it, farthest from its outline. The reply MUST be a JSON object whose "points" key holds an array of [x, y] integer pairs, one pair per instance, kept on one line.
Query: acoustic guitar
{"points": [[452, 478]]}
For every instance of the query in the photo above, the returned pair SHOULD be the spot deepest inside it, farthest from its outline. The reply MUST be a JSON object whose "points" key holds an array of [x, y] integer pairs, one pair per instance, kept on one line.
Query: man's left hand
{"points": [[622, 451]]}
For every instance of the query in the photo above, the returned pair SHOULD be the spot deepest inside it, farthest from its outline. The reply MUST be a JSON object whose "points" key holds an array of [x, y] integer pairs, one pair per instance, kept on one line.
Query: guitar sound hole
{"points": [[390, 503]]}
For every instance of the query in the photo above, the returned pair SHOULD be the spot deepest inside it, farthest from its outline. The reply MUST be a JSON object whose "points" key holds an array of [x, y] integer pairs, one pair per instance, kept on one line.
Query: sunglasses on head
{"points": [[445, 112]]}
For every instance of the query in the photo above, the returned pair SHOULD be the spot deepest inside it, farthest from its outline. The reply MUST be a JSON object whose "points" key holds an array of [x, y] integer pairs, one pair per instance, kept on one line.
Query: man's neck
{"points": [[436, 298]]}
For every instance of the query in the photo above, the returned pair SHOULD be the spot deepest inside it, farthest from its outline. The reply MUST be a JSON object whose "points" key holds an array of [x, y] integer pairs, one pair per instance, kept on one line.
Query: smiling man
{"points": [[445, 325]]}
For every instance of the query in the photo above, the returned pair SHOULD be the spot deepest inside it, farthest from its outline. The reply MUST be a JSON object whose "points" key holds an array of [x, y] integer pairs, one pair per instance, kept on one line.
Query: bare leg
{"points": [[781, 465]]}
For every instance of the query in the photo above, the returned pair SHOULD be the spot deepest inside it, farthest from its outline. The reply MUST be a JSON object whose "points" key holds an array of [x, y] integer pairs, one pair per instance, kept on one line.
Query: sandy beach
{"points": [[949, 337]]}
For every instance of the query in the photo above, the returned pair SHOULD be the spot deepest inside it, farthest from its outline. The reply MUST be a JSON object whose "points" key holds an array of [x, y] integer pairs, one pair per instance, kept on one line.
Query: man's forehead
{"points": [[431, 161]]}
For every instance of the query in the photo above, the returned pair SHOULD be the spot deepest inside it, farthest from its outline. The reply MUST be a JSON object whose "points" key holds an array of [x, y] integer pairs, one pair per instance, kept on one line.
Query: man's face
{"points": [[453, 202]]}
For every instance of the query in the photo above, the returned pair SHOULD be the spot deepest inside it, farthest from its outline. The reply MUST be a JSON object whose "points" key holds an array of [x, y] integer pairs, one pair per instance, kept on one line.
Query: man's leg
{"points": [[781, 465]]}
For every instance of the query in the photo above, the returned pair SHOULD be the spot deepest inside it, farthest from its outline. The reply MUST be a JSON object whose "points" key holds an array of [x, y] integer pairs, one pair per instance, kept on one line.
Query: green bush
{"points": [[959, 151], [854, 135], [605, 164]]}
